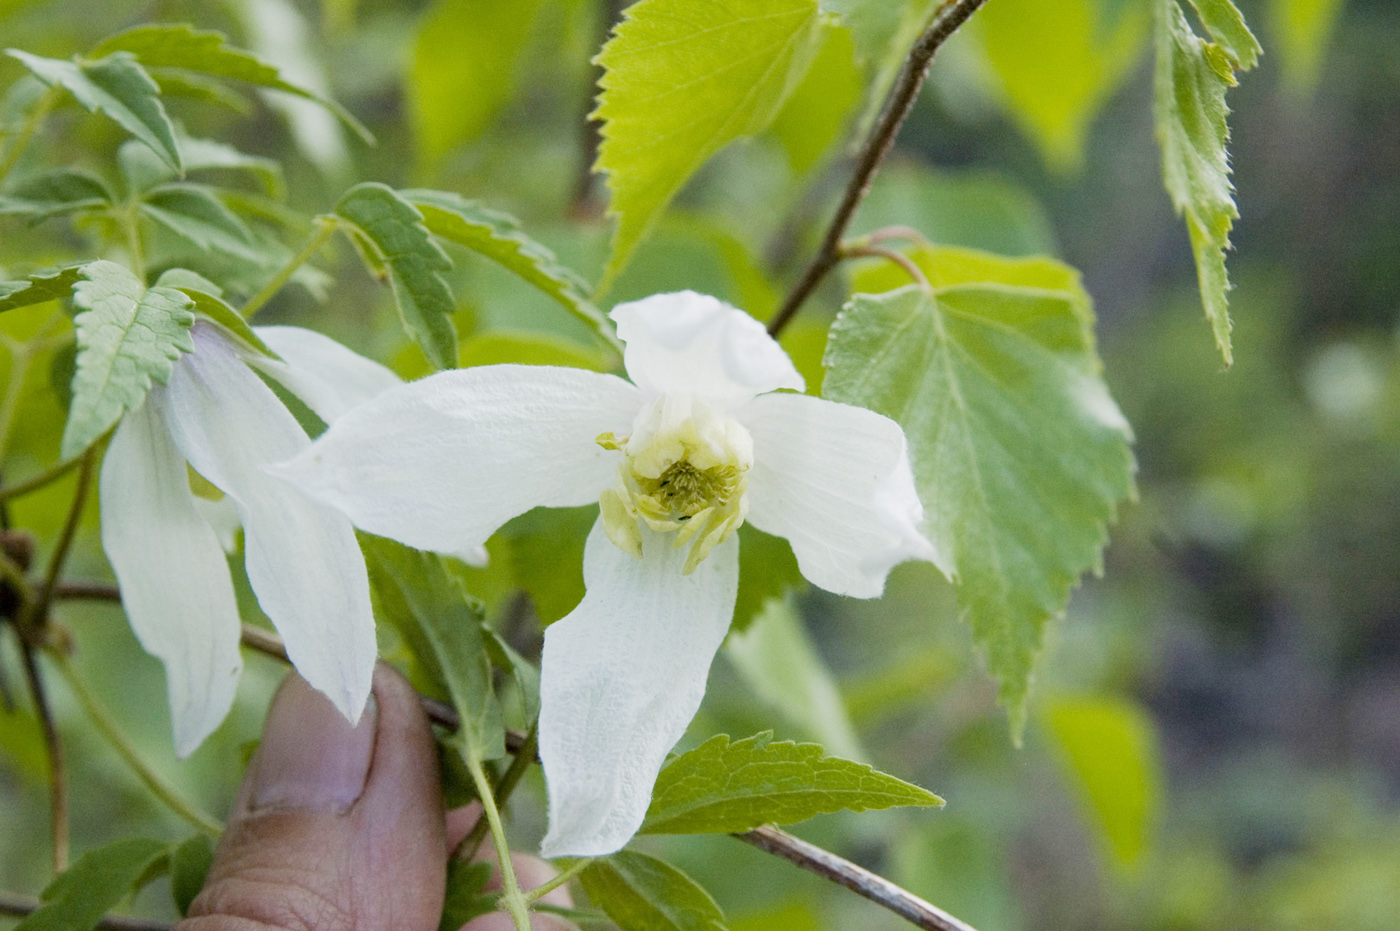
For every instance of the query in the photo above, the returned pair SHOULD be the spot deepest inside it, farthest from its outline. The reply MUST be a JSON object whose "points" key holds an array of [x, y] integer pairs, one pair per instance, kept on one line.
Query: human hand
{"points": [[339, 828]]}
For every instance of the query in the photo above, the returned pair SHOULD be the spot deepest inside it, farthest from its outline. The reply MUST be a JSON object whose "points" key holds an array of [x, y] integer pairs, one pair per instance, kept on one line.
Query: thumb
{"points": [[336, 827]]}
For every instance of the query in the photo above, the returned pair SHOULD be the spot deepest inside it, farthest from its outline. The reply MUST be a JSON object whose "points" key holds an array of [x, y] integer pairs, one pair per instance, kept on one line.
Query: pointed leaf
{"points": [[79, 898], [415, 262], [193, 213], [1019, 454], [63, 190], [117, 86], [1227, 28], [189, 866], [1192, 77], [49, 285], [683, 80], [642, 893], [128, 336], [212, 307], [181, 46], [465, 898], [416, 593], [497, 236], [727, 788]]}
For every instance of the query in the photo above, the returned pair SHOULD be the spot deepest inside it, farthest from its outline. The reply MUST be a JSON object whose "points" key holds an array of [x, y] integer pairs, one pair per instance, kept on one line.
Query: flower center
{"points": [[684, 470]]}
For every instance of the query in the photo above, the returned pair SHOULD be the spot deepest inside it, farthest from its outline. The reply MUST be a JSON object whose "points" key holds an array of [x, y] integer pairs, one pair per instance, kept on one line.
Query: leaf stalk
{"points": [[325, 229]]}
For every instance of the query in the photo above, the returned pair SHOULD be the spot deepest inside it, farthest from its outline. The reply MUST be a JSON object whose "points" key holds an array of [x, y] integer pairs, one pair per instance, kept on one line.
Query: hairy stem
{"points": [[26, 132], [158, 785], [325, 229], [511, 898], [891, 255], [563, 878], [58, 766], [855, 878], [524, 756], [19, 906], [877, 145]]}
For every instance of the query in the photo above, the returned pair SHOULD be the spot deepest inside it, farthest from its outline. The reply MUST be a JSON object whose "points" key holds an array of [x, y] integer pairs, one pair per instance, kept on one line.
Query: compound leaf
{"points": [[642, 893], [79, 898]]}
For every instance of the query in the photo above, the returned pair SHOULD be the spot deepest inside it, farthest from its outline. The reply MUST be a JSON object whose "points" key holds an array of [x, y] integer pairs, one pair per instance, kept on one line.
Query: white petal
{"points": [[621, 677], [835, 480], [222, 518], [303, 561], [688, 343], [439, 464], [174, 578], [326, 376]]}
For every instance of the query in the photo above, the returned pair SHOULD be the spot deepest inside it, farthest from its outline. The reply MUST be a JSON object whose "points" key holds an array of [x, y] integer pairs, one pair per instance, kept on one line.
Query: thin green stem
{"points": [[563, 878], [130, 224], [511, 898], [58, 767], [20, 359], [26, 132], [325, 229], [160, 787], [524, 757], [46, 477], [38, 610]]}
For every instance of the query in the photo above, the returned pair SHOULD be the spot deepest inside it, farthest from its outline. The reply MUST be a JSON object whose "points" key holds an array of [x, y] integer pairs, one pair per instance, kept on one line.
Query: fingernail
{"points": [[311, 758]]}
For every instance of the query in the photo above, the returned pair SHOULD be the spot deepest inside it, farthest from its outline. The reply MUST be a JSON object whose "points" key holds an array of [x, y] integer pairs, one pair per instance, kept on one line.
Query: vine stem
{"points": [[855, 878], [511, 897], [160, 787], [768, 839], [325, 229], [19, 906], [58, 766], [26, 132], [524, 755], [872, 153]]}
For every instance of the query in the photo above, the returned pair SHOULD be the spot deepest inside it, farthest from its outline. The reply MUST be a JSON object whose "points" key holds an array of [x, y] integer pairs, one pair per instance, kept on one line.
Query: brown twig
{"points": [[855, 878], [39, 609], [78, 590], [19, 906], [877, 145], [58, 767], [889, 255]]}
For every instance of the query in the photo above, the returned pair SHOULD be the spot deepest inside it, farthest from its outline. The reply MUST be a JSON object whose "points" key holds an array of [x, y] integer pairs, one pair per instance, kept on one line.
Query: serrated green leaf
{"points": [[947, 266], [79, 898], [497, 236], [48, 285], [128, 337], [189, 866], [180, 46], [416, 593], [209, 304], [1227, 27], [642, 893], [726, 788], [463, 68], [193, 213], [415, 262], [116, 86], [1192, 76], [683, 80], [782, 668], [811, 121], [1108, 748], [465, 900], [63, 190], [1019, 453], [1058, 63]]}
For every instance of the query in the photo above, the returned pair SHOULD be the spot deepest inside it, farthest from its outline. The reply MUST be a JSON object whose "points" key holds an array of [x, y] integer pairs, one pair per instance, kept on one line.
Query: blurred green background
{"points": [[1215, 728]]}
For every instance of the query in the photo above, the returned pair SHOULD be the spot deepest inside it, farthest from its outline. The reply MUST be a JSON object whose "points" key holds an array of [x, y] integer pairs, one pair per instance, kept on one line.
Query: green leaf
{"points": [[1302, 30], [51, 284], [209, 304], [193, 213], [1019, 453], [463, 68], [116, 86], [820, 106], [1227, 27], [416, 593], [872, 24], [767, 571], [526, 675], [497, 236], [728, 788], [683, 80], [781, 666], [63, 190], [415, 262], [947, 266], [465, 899], [642, 893], [1058, 64], [1192, 77], [128, 336], [208, 155], [79, 898], [182, 47], [189, 866], [1108, 748]]}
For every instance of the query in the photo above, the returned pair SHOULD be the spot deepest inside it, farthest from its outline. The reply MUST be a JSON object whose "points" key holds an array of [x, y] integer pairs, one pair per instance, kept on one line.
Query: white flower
{"points": [[680, 457], [165, 544]]}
